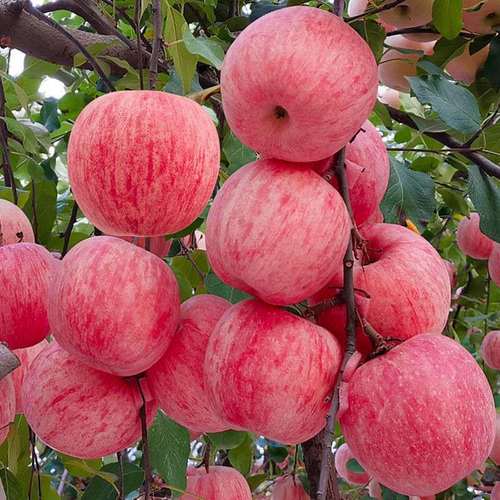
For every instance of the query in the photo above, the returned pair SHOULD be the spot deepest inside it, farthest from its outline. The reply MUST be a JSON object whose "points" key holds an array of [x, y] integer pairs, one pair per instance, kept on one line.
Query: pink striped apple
{"points": [[494, 264], [288, 400], [495, 451], [7, 406], [421, 417], [289, 488], [261, 75], [277, 231], [25, 272], [15, 227], [177, 378], [471, 240], [389, 96], [342, 457], [483, 20], [220, 483], [490, 349], [143, 162], [113, 305], [80, 411], [408, 14], [158, 245]]}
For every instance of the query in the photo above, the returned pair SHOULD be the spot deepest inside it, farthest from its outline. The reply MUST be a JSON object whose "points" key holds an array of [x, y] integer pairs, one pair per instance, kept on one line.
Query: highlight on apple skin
{"points": [[471, 240], [342, 457], [289, 399], [143, 163], [260, 77], [490, 349], [15, 227], [113, 305]]}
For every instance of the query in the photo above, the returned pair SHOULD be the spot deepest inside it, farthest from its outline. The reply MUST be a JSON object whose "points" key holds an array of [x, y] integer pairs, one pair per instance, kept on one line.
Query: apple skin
{"points": [[409, 14], [342, 456], [288, 400], [25, 274], [26, 357], [395, 66], [420, 417], [13, 222], [389, 96], [80, 411], [490, 349], [188, 403], [221, 483], [357, 7], [495, 451], [7, 406], [485, 20], [494, 264], [289, 488], [113, 305], [277, 231], [143, 162], [158, 245], [471, 240], [261, 76], [464, 68]]}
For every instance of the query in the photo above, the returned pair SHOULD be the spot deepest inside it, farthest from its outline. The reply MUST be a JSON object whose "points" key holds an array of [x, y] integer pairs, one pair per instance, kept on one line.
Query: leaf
{"points": [[208, 48], [388, 494], [236, 153], [190, 271], [11, 486], [216, 287], [19, 450], [445, 50], [21, 95], [47, 490], [185, 287], [256, 480], [48, 114], [454, 104], [81, 468], [454, 200], [241, 457], [277, 453], [169, 450], [226, 440], [373, 33], [485, 195], [22, 195], [447, 17], [94, 50], [492, 64], [409, 195], [354, 466]]}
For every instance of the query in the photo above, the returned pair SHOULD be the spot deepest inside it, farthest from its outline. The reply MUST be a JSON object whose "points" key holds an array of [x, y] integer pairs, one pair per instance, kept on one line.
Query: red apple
{"points": [[342, 457], [490, 349], [158, 245], [261, 77], [289, 488], [409, 14], [26, 357], [484, 20], [471, 240], [114, 306], [494, 264], [24, 276], [495, 451], [143, 162], [7, 406], [271, 372], [277, 231], [177, 379], [80, 411], [389, 96], [15, 227], [420, 417], [464, 68], [221, 483]]}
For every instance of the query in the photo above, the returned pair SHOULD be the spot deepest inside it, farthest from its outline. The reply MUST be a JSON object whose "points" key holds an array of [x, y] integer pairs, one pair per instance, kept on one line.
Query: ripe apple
{"points": [[26, 357], [271, 372], [494, 264], [464, 68], [277, 231], [15, 227], [261, 78], [490, 349], [420, 417], [395, 66], [342, 456], [289, 488], [143, 162], [357, 7], [80, 411], [389, 96], [485, 20], [7, 406], [158, 245], [113, 305], [471, 240], [495, 451], [221, 483], [24, 276], [409, 14], [177, 378]]}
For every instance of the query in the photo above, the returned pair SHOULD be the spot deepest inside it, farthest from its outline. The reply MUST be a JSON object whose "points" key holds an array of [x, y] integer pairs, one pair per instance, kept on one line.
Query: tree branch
{"points": [[69, 229], [137, 26], [155, 54], [8, 174]]}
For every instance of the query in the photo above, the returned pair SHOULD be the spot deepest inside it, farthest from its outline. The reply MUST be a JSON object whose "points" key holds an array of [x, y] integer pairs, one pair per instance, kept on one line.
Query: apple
{"points": [[389, 96], [374, 490], [289, 488], [262, 74], [471, 240], [420, 417], [7, 406], [357, 7], [490, 349], [15, 227], [26, 357], [452, 272], [495, 451], [342, 457], [158, 245], [484, 20], [464, 68], [80, 411], [409, 14], [177, 378], [220, 483], [277, 231], [24, 276], [113, 305], [395, 66], [143, 162], [494, 264], [271, 372]]}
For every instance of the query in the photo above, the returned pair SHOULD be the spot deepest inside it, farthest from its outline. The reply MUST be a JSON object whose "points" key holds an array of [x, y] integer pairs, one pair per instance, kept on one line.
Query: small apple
{"points": [[289, 488], [409, 14], [490, 349], [471, 240], [494, 264], [15, 227], [484, 20], [464, 68], [357, 7]]}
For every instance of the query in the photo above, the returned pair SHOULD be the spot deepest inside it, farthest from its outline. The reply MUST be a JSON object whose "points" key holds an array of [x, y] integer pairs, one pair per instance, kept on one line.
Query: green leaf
{"points": [[19, 449], [388, 494], [48, 114], [485, 195], [492, 64], [277, 453], [11, 486], [47, 490], [256, 480], [454, 104], [454, 200], [354, 466], [169, 450], [185, 287], [373, 33], [241, 457], [192, 271], [209, 49], [94, 49], [447, 17], [409, 195], [22, 195], [445, 50], [381, 111], [227, 440], [216, 287], [425, 164], [81, 468], [236, 153], [21, 95]]}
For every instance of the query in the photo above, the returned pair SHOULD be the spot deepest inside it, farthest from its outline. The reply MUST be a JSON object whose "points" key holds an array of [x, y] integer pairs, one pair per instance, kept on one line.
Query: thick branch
{"points": [[157, 41]]}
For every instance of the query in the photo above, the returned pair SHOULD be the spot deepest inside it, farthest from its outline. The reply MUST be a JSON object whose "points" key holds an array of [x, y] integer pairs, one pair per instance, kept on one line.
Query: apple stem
{"points": [[145, 445], [380, 344], [8, 361]]}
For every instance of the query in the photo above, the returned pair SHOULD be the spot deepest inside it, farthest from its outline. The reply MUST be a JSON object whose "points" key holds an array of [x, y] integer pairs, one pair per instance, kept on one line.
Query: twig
{"points": [[8, 175], [69, 229], [155, 54], [47, 20], [185, 252], [119, 456], [487, 307], [145, 445], [489, 121], [137, 22], [423, 29], [375, 10], [438, 151], [35, 465]]}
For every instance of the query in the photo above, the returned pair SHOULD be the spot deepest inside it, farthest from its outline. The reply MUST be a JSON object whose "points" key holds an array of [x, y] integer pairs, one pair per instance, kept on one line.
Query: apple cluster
{"points": [[144, 164]]}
